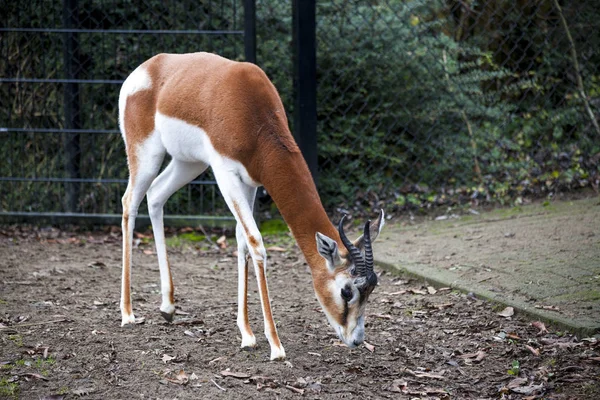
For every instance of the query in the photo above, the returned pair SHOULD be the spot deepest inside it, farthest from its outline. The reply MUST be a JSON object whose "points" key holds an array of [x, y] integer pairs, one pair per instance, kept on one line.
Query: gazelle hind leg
{"points": [[173, 178], [233, 190], [248, 338], [143, 168]]}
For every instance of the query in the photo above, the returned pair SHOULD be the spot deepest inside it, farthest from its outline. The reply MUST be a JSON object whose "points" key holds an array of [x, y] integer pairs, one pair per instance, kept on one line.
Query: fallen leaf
{"points": [[516, 383], [382, 316], [83, 391], [149, 252], [398, 386], [35, 376], [512, 335], [301, 382], [239, 375], [222, 242], [194, 377], [276, 248], [166, 358], [597, 359], [96, 264], [314, 354], [53, 397], [540, 325], [431, 290], [473, 357], [369, 346], [293, 389], [507, 312], [222, 358], [420, 374], [527, 389], [417, 291], [533, 351], [181, 378], [217, 385]]}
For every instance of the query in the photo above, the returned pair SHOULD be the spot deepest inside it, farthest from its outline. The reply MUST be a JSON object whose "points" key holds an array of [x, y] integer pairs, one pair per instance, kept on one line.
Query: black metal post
{"points": [[71, 144], [250, 30], [305, 80]]}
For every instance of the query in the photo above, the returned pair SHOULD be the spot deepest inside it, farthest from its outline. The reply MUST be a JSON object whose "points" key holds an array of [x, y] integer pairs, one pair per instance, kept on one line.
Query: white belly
{"points": [[189, 143]]}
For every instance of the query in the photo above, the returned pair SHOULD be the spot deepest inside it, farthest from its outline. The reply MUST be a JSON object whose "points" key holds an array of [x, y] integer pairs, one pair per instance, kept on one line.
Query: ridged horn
{"points": [[360, 268], [368, 249]]}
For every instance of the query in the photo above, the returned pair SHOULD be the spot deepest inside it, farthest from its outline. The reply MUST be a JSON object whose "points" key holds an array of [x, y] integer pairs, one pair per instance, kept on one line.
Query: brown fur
{"points": [[246, 321], [126, 258], [266, 304]]}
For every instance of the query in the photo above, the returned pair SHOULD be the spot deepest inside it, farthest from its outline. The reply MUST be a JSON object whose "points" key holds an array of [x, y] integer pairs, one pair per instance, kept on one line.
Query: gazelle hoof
{"points": [[249, 342], [277, 354], [168, 317], [127, 320]]}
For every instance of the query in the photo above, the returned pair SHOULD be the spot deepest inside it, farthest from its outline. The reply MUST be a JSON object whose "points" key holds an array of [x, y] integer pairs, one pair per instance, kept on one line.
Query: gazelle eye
{"points": [[347, 293]]}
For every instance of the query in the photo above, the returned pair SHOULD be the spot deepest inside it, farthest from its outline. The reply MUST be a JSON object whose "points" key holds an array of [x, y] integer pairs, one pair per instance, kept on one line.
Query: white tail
{"points": [[205, 110]]}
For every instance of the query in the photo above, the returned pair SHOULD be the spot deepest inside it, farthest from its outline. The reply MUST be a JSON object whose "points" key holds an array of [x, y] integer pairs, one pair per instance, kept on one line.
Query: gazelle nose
{"points": [[357, 342]]}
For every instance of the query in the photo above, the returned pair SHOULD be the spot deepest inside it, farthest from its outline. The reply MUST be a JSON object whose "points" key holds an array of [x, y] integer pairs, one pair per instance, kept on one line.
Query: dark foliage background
{"points": [[420, 102]]}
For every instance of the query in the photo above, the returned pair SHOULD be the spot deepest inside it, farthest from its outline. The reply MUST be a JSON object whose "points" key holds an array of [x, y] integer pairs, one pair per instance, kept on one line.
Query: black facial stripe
{"points": [[345, 314]]}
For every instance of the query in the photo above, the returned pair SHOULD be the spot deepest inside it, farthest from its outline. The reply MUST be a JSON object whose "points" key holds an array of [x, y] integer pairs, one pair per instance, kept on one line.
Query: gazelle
{"points": [[205, 110]]}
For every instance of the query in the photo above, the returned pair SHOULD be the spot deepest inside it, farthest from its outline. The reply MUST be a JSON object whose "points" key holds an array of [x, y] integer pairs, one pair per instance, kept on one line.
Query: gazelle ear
{"points": [[374, 229], [328, 249]]}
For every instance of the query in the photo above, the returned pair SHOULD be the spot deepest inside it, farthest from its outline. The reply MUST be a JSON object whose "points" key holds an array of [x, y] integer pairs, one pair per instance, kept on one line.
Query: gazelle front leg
{"points": [[248, 339], [233, 190]]}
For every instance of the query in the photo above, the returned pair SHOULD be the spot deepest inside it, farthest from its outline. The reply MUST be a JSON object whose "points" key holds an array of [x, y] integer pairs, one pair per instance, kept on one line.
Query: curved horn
{"points": [[368, 249], [370, 274], [353, 251]]}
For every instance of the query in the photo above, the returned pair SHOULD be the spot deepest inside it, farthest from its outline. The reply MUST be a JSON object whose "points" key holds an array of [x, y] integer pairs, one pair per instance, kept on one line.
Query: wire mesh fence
{"points": [[430, 102], [420, 102], [62, 66]]}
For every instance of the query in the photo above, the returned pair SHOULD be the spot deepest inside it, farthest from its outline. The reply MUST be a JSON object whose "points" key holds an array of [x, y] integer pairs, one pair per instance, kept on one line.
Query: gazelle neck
{"points": [[290, 184]]}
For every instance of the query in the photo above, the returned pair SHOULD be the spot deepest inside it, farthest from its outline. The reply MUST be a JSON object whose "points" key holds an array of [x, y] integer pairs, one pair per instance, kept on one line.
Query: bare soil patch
{"points": [[60, 332]]}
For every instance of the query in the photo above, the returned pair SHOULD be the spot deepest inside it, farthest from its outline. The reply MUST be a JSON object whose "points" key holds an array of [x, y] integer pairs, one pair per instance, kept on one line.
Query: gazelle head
{"points": [[350, 279]]}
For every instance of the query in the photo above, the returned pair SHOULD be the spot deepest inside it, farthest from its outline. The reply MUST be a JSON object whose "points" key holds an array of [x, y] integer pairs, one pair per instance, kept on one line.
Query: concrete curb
{"points": [[552, 318]]}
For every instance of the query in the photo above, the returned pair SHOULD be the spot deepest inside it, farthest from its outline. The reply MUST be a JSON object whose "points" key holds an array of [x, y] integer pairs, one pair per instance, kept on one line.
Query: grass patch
{"points": [[188, 238], [192, 237], [8, 389], [17, 339], [41, 363], [273, 227]]}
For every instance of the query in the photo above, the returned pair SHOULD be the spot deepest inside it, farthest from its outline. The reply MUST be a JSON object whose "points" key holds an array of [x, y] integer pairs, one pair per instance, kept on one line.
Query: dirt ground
{"points": [[60, 334]]}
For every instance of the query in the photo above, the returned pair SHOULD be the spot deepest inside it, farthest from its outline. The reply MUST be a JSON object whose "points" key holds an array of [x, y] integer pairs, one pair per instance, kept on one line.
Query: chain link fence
{"points": [[436, 102], [420, 102], [61, 69]]}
